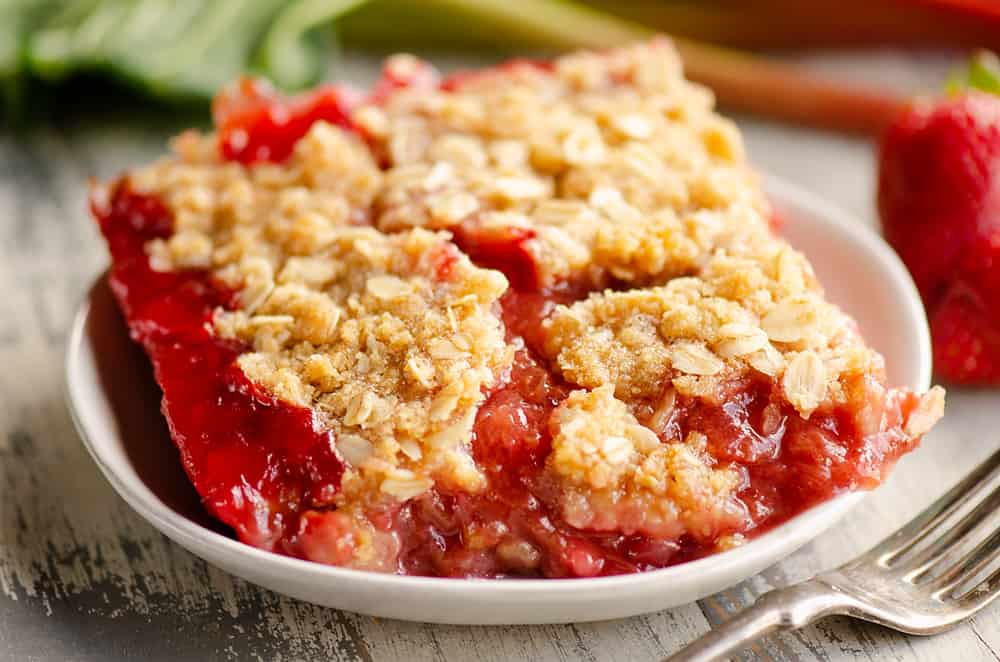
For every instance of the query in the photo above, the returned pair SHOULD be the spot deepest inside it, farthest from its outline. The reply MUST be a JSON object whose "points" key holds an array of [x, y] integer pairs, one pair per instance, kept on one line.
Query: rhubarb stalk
{"points": [[740, 81], [773, 24]]}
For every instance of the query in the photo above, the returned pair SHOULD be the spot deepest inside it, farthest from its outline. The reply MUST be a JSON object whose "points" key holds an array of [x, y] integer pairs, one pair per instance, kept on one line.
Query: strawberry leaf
{"points": [[981, 73]]}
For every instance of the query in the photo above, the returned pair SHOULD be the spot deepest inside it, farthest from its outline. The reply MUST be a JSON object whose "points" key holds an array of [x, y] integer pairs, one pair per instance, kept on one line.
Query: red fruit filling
{"points": [[255, 461], [504, 249], [256, 124]]}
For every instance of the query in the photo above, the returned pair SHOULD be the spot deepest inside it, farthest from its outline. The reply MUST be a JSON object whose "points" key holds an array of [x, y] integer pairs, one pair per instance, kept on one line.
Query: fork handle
{"points": [[785, 609]]}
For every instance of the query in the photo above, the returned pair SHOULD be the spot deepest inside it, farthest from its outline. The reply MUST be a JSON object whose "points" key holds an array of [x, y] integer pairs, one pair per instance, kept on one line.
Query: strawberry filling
{"points": [[254, 460], [256, 124]]}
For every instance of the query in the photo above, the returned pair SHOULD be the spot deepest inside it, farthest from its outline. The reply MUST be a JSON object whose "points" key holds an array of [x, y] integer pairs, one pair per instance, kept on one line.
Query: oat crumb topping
{"points": [[616, 163], [759, 312], [394, 348]]}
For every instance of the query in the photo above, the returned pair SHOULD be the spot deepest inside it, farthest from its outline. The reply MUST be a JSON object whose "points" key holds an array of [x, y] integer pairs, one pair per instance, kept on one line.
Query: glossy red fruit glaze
{"points": [[256, 124], [255, 461], [504, 249], [790, 463]]}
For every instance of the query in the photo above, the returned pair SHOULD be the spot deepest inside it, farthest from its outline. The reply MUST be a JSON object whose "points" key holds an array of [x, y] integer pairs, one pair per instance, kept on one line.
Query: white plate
{"points": [[115, 406]]}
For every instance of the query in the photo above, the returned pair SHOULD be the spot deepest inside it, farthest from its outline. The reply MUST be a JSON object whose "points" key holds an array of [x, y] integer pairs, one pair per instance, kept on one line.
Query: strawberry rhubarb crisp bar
{"points": [[528, 321]]}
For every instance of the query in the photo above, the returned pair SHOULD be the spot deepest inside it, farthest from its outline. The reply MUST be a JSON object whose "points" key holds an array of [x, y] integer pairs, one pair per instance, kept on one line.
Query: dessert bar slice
{"points": [[528, 321]]}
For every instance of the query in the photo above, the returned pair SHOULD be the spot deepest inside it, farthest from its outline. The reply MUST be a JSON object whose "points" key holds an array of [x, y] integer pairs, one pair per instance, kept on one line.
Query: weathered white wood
{"points": [[83, 578]]}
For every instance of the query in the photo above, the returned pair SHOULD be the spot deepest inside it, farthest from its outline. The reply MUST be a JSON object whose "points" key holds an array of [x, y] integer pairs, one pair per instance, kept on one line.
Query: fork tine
{"points": [[985, 593], [930, 519], [971, 564], [925, 560]]}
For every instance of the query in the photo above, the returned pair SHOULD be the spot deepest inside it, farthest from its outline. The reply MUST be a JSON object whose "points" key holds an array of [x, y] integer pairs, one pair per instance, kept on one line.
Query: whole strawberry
{"points": [[939, 200]]}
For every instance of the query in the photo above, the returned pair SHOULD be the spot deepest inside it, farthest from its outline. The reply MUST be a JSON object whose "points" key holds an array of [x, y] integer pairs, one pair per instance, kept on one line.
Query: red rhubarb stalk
{"points": [[741, 81]]}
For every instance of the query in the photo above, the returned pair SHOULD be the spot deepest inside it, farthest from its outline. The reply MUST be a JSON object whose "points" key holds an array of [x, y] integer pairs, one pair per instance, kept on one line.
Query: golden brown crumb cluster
{"points": [[393, 357], [234, 218], [621, 477], [760, 311], [617, 163]]}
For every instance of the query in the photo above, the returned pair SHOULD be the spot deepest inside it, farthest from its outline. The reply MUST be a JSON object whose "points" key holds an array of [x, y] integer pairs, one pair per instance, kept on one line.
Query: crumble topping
{"points": [[618, 476], [355, 302], [928, 411], [614, 162], [234, 218], [392, 340], [761, 311]]}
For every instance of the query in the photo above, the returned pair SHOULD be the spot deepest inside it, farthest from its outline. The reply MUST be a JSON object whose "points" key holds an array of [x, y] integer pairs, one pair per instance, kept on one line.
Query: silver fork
{"points": [[909, 582]]}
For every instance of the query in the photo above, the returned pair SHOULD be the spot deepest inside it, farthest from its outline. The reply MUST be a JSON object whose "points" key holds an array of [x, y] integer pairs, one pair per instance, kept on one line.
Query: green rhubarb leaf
{"points": [[51, 50], [214, 48], [981, 73], [294, 53]]}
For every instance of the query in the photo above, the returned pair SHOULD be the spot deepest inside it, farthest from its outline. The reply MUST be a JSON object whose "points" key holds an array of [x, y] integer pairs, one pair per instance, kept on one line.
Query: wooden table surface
{"points": [[82, 577]]}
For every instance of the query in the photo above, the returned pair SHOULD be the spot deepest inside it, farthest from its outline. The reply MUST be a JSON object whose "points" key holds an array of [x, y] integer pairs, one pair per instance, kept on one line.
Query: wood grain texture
{"points": [[84, 578]]}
